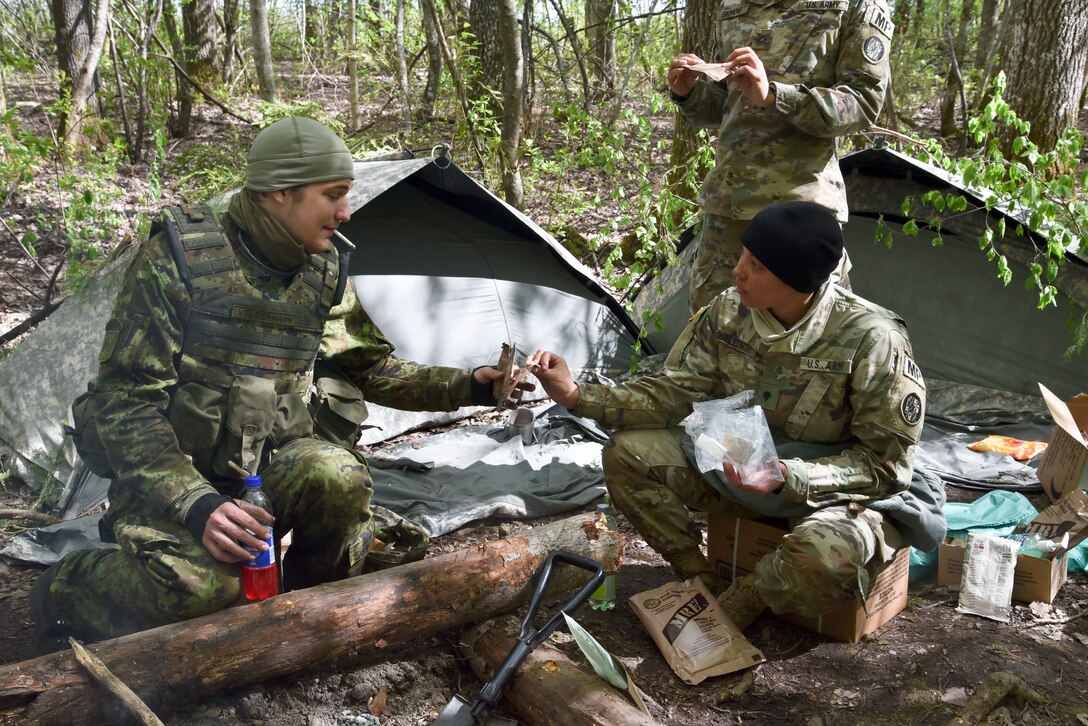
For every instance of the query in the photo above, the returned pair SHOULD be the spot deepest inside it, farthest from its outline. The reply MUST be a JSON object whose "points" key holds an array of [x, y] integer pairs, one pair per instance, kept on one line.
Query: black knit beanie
{"points": [[800, 242]]}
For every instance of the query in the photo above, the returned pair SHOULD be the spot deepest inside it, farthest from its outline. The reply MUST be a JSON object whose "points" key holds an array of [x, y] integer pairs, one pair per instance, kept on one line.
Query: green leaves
{"points": [[1035, 187]]}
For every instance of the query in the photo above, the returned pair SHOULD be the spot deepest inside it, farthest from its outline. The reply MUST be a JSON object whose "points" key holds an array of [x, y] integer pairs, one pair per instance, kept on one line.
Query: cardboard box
{"points": [[1065, 464], [735, 545], [1035, 579]]}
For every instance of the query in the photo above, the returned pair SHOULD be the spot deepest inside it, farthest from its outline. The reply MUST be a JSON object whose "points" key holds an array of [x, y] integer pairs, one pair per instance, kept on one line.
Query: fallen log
{"points": [[175, 665], [992, 691], [548, 689]]}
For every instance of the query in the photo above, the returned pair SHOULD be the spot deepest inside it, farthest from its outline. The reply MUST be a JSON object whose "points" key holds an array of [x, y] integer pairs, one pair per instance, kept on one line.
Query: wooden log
{"points": [[177, 664], [548, 689]]}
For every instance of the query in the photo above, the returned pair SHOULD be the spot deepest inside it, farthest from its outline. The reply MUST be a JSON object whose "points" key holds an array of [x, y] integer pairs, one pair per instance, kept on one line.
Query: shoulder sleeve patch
{"points": [[912, 371], [877, 17], [910, 408]]}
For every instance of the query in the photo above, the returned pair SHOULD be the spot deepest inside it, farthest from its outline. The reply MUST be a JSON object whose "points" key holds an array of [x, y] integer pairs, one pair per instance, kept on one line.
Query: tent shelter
{"points": [[447, 270], [965, 325]]}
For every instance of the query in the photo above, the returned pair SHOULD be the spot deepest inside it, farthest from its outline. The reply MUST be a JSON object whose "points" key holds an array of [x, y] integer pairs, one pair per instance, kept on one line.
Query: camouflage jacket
{"points": [[827, 63], [845, 376], [139, 375]]}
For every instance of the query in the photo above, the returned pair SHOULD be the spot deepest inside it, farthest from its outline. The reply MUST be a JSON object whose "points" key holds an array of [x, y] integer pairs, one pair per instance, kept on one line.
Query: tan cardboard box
{"points": [[1035, 579], [1065, 464], [735, 545]]}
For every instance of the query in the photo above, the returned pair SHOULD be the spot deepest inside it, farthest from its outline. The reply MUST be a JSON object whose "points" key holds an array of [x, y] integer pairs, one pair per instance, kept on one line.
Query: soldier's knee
{"points": [[331, 467], [621, 457], [215, 590]]}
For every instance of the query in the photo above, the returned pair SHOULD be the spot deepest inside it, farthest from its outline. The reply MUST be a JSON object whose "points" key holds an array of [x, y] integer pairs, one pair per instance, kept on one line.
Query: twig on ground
{"points": [[102, 675]]}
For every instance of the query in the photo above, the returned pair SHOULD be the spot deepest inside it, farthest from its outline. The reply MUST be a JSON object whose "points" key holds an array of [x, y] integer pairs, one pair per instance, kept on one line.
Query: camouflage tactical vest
{"points": [[247, 359], [235, 329]]}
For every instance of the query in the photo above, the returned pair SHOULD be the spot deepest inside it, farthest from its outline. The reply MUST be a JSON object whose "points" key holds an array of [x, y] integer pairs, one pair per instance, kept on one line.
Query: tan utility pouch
{"points": [[210, 423]]}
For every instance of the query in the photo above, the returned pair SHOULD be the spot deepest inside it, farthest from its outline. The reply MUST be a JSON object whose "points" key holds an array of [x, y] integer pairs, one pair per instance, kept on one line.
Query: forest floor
{"points": [[920, 668]]}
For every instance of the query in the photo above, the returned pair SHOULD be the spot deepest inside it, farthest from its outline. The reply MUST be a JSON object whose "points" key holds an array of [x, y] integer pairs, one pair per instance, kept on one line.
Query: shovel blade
{"points": [[458, 712]]}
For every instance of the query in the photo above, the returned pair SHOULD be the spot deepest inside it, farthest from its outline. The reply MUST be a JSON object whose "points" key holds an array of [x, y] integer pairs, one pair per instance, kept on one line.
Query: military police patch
{"points": [[873, 49], [911, 408]]}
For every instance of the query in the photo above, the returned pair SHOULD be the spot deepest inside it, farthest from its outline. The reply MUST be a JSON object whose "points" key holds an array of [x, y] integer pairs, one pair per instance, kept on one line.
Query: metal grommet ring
{"points": [[440, 155]]}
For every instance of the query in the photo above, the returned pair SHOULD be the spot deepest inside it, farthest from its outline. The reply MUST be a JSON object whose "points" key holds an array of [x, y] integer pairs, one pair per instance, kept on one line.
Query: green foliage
{"points": [[1037, 187], [271, 112], [205, 170]]}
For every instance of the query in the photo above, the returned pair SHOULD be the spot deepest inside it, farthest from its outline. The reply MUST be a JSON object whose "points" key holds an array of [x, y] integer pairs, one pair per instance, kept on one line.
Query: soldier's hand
{"points": [[750, 76], [554, 375], [681, 80], [232, 525], [762, 485]]}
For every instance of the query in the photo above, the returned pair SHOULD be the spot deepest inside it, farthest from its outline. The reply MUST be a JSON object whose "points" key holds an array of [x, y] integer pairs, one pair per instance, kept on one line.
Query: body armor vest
{"points": [[235, 329]]}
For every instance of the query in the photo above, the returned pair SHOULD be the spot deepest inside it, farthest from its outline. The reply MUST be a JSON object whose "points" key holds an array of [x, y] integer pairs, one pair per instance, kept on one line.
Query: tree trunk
{"points": [[600, 14], [402, 74], [180, 127], [353, 71], [86, 79], [73, 26], [201, 41], [434, 63], [988, 32], [953, 82], [699, 38], [176, 665], [232, 22], [1044, 62], [262, 49], [513, 89], [548, 688], [487, 51]]}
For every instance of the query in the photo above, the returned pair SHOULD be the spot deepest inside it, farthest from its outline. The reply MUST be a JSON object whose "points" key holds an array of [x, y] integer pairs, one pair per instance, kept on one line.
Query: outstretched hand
{"points": [[764, 484], [554, 375], [232, 526]]}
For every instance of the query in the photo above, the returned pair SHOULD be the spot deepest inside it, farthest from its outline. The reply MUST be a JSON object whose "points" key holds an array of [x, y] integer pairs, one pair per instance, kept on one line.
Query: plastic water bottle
{"points": [[260, 576], [604, 597]]}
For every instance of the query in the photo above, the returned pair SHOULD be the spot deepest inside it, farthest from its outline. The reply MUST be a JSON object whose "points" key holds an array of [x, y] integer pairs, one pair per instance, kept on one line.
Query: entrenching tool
{"points": [[462, 712]]}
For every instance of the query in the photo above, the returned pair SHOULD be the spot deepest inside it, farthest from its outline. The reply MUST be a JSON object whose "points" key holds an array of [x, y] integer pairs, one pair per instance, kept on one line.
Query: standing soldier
{"points": [[207, 371], [801, 73], [844, 401]]}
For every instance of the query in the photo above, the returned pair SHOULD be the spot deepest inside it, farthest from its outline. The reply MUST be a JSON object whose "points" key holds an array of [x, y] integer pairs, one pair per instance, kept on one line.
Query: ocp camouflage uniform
{"points": [[827, 63], [187, 380], [842, 390]]}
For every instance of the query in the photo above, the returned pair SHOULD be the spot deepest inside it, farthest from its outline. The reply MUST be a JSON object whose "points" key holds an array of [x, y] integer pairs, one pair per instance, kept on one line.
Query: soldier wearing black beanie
{"points": [[800, 242]]}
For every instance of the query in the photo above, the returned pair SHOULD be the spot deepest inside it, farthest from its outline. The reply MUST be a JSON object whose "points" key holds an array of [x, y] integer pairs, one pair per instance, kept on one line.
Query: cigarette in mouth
{"points": [[343, 239]]}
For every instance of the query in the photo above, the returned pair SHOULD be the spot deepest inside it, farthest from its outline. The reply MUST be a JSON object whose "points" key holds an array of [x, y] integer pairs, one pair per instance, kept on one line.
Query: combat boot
{"points": [[51, 632], [741, 601], [696, 565]]}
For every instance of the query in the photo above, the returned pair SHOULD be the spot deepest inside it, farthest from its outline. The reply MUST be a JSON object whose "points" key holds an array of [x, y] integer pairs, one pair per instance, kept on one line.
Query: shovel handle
{"points": [[528, 640]]}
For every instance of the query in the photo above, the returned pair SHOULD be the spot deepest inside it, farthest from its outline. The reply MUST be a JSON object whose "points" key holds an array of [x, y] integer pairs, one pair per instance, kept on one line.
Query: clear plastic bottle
{"points": [[604, 597], [260, 575]]}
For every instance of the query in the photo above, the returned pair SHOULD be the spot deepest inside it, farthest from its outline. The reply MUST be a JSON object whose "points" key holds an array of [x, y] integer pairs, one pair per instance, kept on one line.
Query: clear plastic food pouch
{"points": [[732, 431]]}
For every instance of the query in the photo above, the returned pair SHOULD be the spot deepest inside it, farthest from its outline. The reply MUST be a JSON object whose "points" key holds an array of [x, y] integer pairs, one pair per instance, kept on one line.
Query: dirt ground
{"points": [[921, 668]]}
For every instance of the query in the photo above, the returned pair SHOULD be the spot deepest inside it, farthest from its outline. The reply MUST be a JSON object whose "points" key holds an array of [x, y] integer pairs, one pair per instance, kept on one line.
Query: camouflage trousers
{"points": [[718, 252], [160, 574], [828, 556]]}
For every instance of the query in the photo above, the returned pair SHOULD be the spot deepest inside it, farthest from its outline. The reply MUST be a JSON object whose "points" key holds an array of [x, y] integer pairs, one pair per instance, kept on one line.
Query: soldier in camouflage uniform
{"points": [[208, 364], [804, 72], [844, 401]]}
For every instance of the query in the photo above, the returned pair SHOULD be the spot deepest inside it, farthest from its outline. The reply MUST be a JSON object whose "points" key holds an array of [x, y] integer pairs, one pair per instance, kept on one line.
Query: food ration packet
{"points": [[986, 585], [693, 632], [732, 431]]}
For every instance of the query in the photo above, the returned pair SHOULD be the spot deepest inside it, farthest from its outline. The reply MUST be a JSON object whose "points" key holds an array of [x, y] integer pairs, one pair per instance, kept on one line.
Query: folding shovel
{"points": [[462, 712]]}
